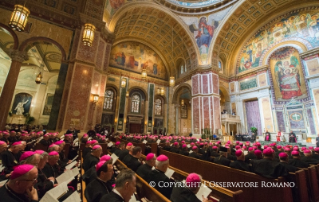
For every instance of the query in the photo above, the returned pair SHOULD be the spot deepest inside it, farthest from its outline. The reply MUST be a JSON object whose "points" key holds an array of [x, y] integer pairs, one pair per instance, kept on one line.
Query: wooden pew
{"points": [[313, 183], [218, 173], [40, 146], [300, 192]]}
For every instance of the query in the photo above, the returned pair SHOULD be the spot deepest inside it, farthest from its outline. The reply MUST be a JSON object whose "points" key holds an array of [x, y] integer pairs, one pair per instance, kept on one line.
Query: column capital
{"points": [[18, 56]]}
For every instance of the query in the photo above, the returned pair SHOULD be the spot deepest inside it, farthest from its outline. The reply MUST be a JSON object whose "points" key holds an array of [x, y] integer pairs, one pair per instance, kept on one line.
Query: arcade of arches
{"points": [[237, 64]]}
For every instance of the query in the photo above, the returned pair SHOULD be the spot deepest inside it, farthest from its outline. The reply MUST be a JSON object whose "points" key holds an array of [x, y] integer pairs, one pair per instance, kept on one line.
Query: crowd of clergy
{"points": [[29, 173]]}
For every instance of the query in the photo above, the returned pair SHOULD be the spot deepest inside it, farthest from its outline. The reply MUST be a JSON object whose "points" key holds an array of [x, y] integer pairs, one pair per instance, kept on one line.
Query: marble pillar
{"points": [[205, 103], [17, 58]]}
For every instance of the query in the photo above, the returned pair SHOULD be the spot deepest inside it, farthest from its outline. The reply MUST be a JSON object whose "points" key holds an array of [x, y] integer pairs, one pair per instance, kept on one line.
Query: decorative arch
{"points": [[13, 34], [179, 88], [27, 44], [138, 89], [112, 86], [161, 97], [225, 92]]}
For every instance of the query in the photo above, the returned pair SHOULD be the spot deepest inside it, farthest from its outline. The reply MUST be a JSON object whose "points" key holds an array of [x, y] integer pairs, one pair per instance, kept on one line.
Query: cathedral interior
{"points": [[161, 66]]}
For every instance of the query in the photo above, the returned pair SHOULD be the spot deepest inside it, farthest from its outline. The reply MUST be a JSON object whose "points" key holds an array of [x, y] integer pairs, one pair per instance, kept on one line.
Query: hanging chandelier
{"points": [[38, 79], [88, 34], [19, 17]]}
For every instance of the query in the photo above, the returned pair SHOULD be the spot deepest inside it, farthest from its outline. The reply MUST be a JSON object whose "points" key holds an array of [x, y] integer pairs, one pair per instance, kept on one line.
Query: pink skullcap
{"points": [[39, 152], [53, 153], [2, 142], [194, 148], [295, 149], [283, 155], [85, 135], [250, 149], [16, 143], [193, 177], [228, 142], [287, 149], [192, 143], [162, 158], [210, 143], [227, 147], [237, 142], [310, 147], [279, 147], [241, 144], [258, 143], [20, 170], [105, 158], [94, 142], [257, 152], [295, 153], [205, 143], [218, 142], [46, 135], [117, 143], [59, 142], [201, 144], [266, 146], [88, 142], [244, 147], [149, 156], [184, 146], [215, 147], [303, 148], [183, 142], [237, 147], [306, 151], [26, 155], [238, 153], [96, 147], [52, 145], [175, 143], [254, 147], [317, 149], [113, 185], [247, 143], [99, 165], [129, 144]]}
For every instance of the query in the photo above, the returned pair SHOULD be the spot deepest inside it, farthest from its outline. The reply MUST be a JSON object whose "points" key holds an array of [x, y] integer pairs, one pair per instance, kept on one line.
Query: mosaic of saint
{"points": [[135, 56], [287, 75], [300, 25]]}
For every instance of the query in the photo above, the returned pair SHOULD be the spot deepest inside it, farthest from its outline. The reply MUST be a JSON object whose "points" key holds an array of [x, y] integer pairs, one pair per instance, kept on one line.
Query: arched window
{"points": [[158, 107], [184, 112], [108, 100], [136, 100], [220, 66], [182, 69]]}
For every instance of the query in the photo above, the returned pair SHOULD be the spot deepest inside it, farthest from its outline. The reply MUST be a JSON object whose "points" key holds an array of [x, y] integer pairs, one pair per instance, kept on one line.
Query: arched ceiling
{"points": [[242, 22], [155, 27]]}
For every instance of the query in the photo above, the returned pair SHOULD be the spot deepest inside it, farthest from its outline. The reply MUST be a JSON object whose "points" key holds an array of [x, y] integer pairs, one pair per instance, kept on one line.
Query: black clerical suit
{"points": [[167, 148], [45, 142], [183, 194], [298, 163], [159, 176], [89, 175], [132, 162], [43, 184], [249, 156], [309, 160], [89, 161], [268, 168], [289, 168], [144, 170], [52, 171], [96, 189], [293, 138], [9, 160], [8, 195], [123, 153], [183, 152], [117, 152], [111, 197], [175, 150], [222, 160], [315, 156], [194, 155], [86, 151], [241, 165]]}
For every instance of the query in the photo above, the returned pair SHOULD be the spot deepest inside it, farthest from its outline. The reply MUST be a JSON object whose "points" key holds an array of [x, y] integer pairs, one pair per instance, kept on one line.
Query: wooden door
{"points": [[135, 128]]}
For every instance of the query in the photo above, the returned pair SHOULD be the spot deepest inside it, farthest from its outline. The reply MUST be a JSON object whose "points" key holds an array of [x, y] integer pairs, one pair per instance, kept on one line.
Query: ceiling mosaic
{"points": [[248, 16], [156, 28]]}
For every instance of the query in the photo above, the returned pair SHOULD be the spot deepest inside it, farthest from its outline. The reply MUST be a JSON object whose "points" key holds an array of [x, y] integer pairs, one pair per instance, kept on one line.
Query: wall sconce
{"points": [[19, 17], [88, 34], [162, 92], [144, 74], [38, 79], [158, 91], [182, 103], [127, 94], [172, 81], [123, 83], [95, 98]]}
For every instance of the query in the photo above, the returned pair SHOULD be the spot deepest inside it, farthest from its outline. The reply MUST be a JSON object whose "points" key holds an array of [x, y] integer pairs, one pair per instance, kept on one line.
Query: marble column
{"points": [[205, 102], [17, 58]]}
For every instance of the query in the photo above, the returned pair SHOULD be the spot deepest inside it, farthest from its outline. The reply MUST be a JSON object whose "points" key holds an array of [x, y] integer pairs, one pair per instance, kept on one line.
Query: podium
{"points": [[227, 138]]}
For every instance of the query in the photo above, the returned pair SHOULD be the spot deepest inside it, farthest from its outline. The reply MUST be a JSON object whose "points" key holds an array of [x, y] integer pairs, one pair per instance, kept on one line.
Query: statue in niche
{"points": [[20, 108]]}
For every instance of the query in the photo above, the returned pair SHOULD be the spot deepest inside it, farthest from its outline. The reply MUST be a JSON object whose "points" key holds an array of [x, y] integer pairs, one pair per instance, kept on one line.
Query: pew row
{"points": [[219, 173]]}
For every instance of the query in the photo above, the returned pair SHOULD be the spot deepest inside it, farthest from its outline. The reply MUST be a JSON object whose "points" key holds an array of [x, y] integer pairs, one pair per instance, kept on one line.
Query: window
{"points": [[158, 107], [182, 69], [108, 100], [136, 104], [220, 65], [184, 111]]}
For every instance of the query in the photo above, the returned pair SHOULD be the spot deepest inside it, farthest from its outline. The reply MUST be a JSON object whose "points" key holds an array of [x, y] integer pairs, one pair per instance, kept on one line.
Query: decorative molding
{"points": [[253, 71], [310, 53]]}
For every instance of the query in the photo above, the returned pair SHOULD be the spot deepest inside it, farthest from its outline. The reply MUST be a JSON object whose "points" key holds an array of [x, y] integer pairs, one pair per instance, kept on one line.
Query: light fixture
{"points": [[172, 81], [95, 98], [127, 94], [158, 90], [19, 17], [144, 74], [88, 34], [182, 103], [38, 79], [123, 83], [162, 92]]}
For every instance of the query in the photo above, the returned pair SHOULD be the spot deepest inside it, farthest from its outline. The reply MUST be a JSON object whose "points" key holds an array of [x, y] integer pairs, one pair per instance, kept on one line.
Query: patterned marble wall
{"points": [[268, 121], [310, 121], [312, 65], [262, 80], [280, 121], [253, 115]]}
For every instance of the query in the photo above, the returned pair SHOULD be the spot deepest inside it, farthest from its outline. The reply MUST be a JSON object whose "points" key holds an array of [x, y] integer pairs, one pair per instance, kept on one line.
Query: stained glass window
{"points": [[158, 107], [108, 100], [184, 111], [136, 103]]}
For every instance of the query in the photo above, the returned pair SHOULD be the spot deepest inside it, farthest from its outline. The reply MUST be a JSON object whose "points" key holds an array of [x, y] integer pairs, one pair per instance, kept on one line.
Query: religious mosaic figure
{"points": [[204, 35]]}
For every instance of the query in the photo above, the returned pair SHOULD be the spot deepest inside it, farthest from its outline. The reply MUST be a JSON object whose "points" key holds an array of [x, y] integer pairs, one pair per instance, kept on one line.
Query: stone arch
{"points": [[13, 34], [138, 89], [225, 92], [27, 44], [161, 97], [114, 87], [179, 88]]}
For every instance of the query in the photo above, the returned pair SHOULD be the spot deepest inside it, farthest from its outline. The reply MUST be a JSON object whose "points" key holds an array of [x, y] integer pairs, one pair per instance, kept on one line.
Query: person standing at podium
{"points": [[278, 136], [267, 137], [292, 137]]}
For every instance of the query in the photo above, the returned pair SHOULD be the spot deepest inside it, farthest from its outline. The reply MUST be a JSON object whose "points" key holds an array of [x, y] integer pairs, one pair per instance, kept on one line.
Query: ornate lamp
{"points": [[158, 91], [144, 74], [95, 98], [182, 103], [88, 34], [123, 83], [162, 92], [172, 81], [127, 94], [19, 17], [38, 79]]}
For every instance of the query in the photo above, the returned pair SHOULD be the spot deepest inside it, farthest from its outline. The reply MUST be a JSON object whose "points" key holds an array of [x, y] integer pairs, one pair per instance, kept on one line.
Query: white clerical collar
{"points": [[118, 193]]}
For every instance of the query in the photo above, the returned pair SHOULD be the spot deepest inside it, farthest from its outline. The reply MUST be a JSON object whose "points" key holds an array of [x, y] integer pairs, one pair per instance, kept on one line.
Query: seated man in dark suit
{"points": [[120, 148], [93, 158], [184, 150], [132, 161], [144, 170], [308, 158], [295, 161], [222, 159], [250, 155], [194, 153], [240, 163], [283, 157], [126, 151], [316, 153], [125, 186]]}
